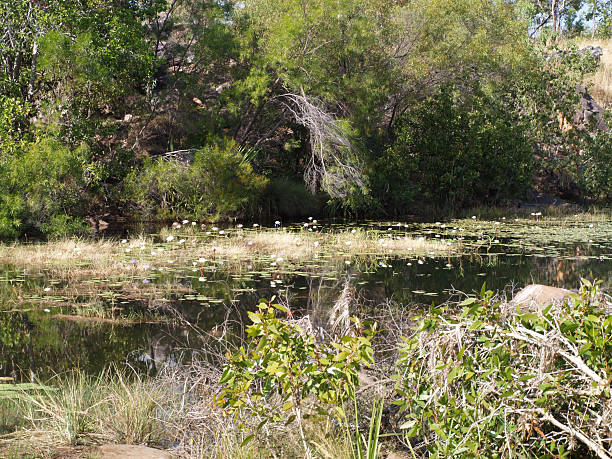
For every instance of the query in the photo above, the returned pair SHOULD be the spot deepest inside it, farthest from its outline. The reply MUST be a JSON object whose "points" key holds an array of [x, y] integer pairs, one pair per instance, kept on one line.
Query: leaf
{"points": [[255, 318], [247, 440], [282, 308], [227, 375], [468, 301], [287, 405]]}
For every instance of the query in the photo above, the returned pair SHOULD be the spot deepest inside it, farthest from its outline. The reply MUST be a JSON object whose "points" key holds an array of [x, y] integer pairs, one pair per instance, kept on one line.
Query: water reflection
{"points": [[37, 342]]}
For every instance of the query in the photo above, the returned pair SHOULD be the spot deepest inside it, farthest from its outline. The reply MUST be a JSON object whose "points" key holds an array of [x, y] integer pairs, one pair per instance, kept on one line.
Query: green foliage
{"points": [[451, 152], [216, 184], [43, 188], [482, 381], [63, 225], [592, 167], [288, 198], [284, 364]]}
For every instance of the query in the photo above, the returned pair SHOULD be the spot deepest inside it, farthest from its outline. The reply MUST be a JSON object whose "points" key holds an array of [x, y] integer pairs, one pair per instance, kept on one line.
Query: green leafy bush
{"points": [[450, 152], [285, 364], [592, 167], [43, 189], [484, 381], [219, 182]]}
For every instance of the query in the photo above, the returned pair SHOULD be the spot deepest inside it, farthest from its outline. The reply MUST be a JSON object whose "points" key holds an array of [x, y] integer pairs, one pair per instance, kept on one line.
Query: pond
{"points": [[70, 316]]}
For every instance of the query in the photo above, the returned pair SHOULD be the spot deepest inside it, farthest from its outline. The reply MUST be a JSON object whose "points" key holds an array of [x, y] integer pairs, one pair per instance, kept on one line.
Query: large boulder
{"points": [[535, 297]]}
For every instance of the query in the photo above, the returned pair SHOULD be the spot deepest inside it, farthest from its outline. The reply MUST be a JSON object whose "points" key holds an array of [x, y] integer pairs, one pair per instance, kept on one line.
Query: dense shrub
{"points": [[43, 189], [217, 183], [289, 199], [592, 167], [489, 380], [450, 152]]}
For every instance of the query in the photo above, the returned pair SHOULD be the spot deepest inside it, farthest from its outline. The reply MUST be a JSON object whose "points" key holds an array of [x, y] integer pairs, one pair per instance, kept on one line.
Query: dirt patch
{"points": [[111, 452]]}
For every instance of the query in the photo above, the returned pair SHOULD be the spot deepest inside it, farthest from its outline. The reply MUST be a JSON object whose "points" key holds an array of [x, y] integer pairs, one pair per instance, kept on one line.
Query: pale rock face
{"points": [[535, 297]]}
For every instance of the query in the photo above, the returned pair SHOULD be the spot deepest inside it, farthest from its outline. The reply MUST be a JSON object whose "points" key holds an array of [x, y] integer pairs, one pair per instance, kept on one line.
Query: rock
{"points": [[590, 112], [129, 452], [534, 297]]}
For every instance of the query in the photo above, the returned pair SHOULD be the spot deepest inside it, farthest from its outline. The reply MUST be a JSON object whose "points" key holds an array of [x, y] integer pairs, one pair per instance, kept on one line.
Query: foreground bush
{"points": [[484, 381]]}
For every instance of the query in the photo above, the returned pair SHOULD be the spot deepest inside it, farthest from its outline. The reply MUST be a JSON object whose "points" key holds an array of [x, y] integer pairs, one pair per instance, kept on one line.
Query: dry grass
{"points": [[601, 82], [306, 245], [95, 270]]}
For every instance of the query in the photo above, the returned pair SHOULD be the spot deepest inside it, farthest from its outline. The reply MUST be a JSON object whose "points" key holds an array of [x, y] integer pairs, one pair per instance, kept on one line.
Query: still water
{"points": [[41, 342]]}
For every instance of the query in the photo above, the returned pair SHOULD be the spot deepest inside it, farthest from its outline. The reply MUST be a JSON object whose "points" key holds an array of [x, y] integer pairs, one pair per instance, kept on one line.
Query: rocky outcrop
{"points": [[590, 113]]}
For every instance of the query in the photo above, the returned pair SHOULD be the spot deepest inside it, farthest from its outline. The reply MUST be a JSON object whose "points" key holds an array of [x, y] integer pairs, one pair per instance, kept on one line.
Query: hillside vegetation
{"points": [[207, 109]]}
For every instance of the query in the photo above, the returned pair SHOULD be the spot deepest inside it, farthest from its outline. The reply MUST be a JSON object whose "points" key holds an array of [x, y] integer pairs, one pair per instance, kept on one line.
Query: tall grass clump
{"points": [[75, 408]]}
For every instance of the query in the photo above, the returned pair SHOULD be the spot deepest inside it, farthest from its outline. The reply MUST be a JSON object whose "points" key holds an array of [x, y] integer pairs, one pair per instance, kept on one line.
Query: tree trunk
{"points": [[33, 72], [555, 16], [594, 13]]}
